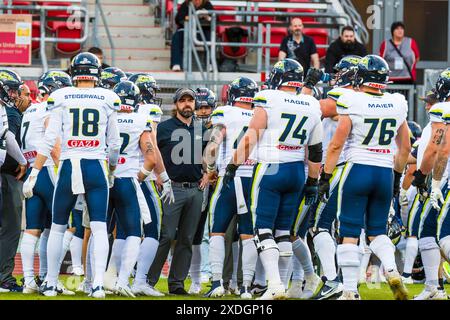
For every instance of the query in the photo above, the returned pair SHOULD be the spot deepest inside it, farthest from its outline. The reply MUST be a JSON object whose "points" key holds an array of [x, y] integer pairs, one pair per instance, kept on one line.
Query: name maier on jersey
{"points": [[275, 148]]}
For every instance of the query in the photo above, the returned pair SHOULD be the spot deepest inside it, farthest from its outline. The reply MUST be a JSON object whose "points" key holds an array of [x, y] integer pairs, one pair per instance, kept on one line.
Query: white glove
{"points": [[403, 197], [111, 178], [28, 185], [436, 194], [167, 191]]}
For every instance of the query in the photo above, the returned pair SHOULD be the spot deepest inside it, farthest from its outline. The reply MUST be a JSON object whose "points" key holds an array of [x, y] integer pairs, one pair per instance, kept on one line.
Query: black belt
{"points": [[185, 184]]}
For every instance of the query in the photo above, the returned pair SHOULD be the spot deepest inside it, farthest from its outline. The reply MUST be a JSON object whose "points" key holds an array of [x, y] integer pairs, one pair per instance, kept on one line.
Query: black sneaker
{"points": [[331, 289], [11, 286], [257, 289], [179, 291]]}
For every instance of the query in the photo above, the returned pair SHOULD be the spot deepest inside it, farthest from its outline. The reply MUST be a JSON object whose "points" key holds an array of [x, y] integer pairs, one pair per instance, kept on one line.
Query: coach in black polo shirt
{"points": [[181, 142], [299, 47]]}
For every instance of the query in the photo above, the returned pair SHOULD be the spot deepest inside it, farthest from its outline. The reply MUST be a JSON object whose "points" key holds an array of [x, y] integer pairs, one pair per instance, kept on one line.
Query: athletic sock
{"points": [[101, 246], [412, 247], [147, 253], [27, 248], [216, 256], [301, 251], [76, 248], [348, 261], [43, 241], [66, 244], [54, 249], [326, 250], [196, 264], [130, 254], [235, 250], [249, 257], [384, 249]]}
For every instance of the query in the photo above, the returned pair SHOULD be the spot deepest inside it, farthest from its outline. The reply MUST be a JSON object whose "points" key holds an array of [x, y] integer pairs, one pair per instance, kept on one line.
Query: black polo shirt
{"points": [[14, 123], [182, 148], [300, 51]]}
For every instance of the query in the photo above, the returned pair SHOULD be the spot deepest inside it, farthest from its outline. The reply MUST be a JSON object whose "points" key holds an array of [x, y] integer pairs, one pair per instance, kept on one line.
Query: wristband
{"points": [[312, 181], [435, 184], [34, 172], [145, 172], [211, 168], [325, 176], [164, 176]]}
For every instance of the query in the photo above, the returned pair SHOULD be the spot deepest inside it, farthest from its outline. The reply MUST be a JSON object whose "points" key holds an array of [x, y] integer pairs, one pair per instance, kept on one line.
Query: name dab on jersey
{"points": [[385, 151], [288, 148], [83, 143], [294, 101], [125, 120]]}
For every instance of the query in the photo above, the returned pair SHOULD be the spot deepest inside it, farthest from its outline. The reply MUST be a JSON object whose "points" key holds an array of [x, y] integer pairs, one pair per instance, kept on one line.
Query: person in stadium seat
{"points": [[99, 53], [299, 46], [176, 54], [345, 45], [401, 53]]}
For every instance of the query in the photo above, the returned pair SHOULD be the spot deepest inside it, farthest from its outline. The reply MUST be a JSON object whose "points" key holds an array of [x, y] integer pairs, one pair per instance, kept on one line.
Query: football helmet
{"points": [[148, 87], [85, 66], [345, 70], [53, 80], [287, 72], [205, 97], [10, 83], [111, 76], [373, 71], [443, 85], [129, 95], [242, 89]]}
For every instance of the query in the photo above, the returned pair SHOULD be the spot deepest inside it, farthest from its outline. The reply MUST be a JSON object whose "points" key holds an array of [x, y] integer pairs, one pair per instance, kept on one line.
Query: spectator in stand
{"points": [[299, 47], [176, 57], [99, 53], [402, 54], [345, 45]]}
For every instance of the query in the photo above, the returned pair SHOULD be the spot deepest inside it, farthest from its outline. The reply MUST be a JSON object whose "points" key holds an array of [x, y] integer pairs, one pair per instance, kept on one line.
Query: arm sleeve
{"points": [[52, 132], [13, 149], [113, 139], [316, 134]]}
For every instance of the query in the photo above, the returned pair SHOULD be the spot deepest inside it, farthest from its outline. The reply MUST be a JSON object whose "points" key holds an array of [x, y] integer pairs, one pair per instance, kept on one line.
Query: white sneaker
{"points": [[176, 67], [274, 292], [195, 288], [408, 280], [48, 291], [313, 284], [123, 291], [431, 293], [295, 290], [145, 290], [395, 282], [349, 295], [98, 293], [30, 287], [78, 271], [217, 290], [61, 289]]}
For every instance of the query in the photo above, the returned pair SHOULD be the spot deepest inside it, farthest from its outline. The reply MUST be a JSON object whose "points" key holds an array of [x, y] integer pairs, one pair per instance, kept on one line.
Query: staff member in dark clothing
{"points": [[299, 46], [11, 173], [176, 51], [345, 45], [181, 142]]}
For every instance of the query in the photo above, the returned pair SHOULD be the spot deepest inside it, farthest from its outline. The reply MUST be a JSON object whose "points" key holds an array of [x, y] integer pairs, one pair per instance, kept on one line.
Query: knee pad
{"points": [[428, 243], [283, 240], [379, 242], [264, 240], [444, 243]]}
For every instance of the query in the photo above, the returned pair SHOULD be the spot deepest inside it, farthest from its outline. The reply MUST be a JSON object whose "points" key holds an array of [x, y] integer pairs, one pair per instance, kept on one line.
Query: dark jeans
{"points": [[176, 50], [11, 225]]}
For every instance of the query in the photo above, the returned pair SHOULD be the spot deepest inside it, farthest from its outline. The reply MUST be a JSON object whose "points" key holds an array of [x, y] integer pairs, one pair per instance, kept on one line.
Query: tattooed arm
{"points": [[442, 157], [148, 151], [212, 148], [438, 130]]}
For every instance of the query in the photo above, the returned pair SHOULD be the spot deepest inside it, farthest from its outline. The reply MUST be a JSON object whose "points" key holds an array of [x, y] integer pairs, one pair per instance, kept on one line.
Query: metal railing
{"points": [[43, 39], [99, 11]]}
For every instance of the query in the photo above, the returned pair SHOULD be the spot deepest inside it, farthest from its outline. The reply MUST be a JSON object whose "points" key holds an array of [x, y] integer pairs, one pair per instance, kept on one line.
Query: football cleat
{"points": [[195, 288], [47, 290], [431, 293], [407, 280], [349, 295], [395, 282], [274, 292], [217, 290], [258, 289], [145, 290], [245, 293], [61, 289], [30, 287], [98, 293], [295, 290], [330, 289], [313, 283], [123, 291]]}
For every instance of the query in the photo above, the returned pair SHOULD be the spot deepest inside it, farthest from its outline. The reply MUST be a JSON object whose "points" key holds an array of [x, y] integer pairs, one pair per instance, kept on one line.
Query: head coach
{"points": [[181, 142]]}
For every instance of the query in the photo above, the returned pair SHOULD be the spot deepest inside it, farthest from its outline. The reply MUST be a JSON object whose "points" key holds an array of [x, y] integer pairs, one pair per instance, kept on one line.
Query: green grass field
{"points": [[368, 292]]}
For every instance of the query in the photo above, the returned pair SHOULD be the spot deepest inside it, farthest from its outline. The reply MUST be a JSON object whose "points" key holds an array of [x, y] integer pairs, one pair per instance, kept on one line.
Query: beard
{"points": [[186, 112], [349, 45]]}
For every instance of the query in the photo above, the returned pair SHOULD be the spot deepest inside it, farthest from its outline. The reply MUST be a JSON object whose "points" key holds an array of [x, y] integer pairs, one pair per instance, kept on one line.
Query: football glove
{"points": [[111, 178], [324, 186], [436, 197], [167, 191], [229, 175], [311, 191], [403, 197], [397, 178], [420, 184], [29, 183], [312, 78]]}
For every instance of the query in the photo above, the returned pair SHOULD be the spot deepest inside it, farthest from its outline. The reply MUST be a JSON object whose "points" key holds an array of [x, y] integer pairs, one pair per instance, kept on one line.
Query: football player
{"points": [[434, 228], [85, 117], [230, 123], [38, 207], [369, 122], [283, 125], [126, 196], [111, 76]]}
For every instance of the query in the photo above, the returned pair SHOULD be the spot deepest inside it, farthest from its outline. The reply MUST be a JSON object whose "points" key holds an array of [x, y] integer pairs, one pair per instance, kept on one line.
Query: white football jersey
{"points": [[236, 121], [440, 112], [86, 120], [32, 131], [375, 122], [293, 121], [423, 142], [131, 126], [4, 121]]}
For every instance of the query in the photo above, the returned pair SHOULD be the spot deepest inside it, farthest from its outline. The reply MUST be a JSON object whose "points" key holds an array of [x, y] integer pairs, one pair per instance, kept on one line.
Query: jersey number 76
{"points": [[387, 131]]}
